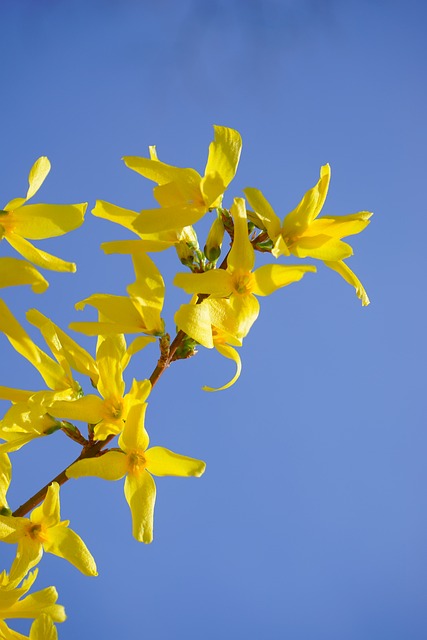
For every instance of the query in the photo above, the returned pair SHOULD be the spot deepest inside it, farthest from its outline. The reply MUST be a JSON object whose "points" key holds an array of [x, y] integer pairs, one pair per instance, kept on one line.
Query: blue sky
{"points": [[311, 519]]}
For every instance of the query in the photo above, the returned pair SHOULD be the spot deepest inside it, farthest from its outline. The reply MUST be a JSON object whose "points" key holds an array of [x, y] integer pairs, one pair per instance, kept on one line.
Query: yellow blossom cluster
{"points": [[225, 288]]}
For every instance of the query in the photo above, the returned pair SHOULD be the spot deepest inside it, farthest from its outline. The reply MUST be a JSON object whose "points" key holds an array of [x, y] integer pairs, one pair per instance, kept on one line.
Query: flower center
{"points": [[36, 532], [113, 409], [136, 462], [243, 282]]}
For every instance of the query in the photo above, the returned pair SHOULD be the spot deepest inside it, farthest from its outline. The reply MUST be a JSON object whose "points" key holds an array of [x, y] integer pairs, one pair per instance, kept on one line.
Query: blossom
{"points": [[44, 530], [21, 222], [303, 234], [238, 283], [40, 605], [29, 416], [197, 321], [183, 194], [138, 464], [136, 313], [108, 412]]}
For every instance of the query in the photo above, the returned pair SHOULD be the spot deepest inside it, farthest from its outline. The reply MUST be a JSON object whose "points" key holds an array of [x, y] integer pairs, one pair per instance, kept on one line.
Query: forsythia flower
{"points": [[138, 313], [238, 283], [29, 416], [137, 463], [303, 234], [44, 530], [108, 413], [20, 222], [183, 194], [40, 604], [198, 322]]}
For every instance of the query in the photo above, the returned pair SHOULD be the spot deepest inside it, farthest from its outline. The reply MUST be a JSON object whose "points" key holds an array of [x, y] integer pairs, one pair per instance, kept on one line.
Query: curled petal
{"points": [[350, 277], [230, 353]]}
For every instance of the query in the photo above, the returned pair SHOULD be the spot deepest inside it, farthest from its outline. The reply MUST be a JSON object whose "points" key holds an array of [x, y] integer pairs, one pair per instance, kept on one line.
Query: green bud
{"points": [[5, 511], [214, 240]]}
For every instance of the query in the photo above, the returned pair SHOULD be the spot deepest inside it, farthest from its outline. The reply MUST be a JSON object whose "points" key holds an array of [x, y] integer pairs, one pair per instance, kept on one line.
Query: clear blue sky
{"points": [[311, 520]]}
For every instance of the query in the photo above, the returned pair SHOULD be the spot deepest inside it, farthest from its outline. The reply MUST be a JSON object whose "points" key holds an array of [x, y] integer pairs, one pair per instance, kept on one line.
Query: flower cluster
{"points": [[225, 288]]}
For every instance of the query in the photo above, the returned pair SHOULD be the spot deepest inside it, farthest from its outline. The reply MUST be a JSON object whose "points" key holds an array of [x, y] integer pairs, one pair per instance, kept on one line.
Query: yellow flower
{"points": [[20, 222], [44, 530], [238, 283], [40, 605], [197, 321], [138, 313], [303, 234], [137, 463], [183, 194], [109, 412]]}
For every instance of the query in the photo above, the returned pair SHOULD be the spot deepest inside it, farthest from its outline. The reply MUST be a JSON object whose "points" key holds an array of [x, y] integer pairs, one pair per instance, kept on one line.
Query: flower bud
{"points": [[214, 240]]}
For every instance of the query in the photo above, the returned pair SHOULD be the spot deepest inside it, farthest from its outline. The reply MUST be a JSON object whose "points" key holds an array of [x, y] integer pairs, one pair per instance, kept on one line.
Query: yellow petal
{"points": [[43, 629], [50, 370], [148, 244], [38, 221], [216, 282], [140, 493], [322, 247], [309, 208], [242, 255], [109, 355], [271, 277], [339, 226], [224, 154], [149, 291], [37, 256], [264, 211], [195, 321], [48, 513], [166, 218], [160, 172], [162, 462], [230, 353], [28, 554], [14, 272], [37, 176], [65, 543], [5, 477], [134, 435], [87, 409], [14, 395], [62, 346], [119, 310], [119, 215], [350, 277], [108, 466], [212, 187]]}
